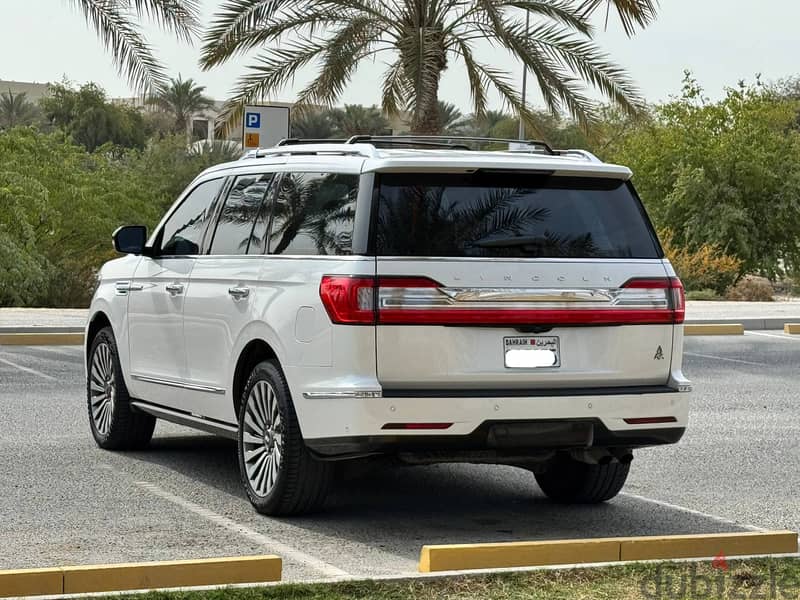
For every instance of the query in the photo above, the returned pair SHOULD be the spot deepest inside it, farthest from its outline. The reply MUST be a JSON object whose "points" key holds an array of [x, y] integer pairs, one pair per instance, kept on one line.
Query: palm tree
{"points": [[312, 123], [355, 119], [116, 24], [15, 109], [182, 99], [421, 39], [484, 125], [451, 120]]}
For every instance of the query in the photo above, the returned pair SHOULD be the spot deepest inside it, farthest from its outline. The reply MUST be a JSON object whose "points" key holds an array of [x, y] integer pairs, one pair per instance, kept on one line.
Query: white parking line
{"points": [[692, 511], [26, 369], [735, 360], [62, 350], [772, 335], [286, 552]]}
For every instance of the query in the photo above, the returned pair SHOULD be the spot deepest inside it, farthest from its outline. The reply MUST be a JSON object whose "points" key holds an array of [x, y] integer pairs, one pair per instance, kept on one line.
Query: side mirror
{"points": [[130, 239]]}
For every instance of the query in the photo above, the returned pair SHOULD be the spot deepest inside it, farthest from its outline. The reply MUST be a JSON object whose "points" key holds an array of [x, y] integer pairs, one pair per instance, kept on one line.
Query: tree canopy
{"points": [[724, 173], [91, 120], [420, 41]]}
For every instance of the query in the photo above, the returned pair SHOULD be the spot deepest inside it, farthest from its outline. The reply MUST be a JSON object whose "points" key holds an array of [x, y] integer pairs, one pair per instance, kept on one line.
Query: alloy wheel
{"points": [[262, 438], [102, 388]]}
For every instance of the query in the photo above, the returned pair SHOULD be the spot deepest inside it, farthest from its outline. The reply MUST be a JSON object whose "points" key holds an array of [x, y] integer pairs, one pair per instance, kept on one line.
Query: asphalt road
{"points": [[64, 501]]}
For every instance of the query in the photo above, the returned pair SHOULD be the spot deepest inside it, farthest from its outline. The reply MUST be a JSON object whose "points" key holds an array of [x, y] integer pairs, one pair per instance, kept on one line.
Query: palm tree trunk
{"points": [[425, 120]]}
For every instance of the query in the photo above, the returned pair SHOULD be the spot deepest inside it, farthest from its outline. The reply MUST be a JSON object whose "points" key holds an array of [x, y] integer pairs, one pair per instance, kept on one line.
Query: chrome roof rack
{"points": [[301, 148], [368, 146], [454, 142]]}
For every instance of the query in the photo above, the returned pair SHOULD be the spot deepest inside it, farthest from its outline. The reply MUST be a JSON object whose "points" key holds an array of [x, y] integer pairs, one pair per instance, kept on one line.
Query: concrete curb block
{"points": [[41, 339], [140, 576], [793, 328], [749, 323], [714, 329], [459, 557], [31, 582]]}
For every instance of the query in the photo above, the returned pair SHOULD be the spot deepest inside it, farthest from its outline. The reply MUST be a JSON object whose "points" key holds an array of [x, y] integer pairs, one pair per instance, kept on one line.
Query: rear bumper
{"points": [[518, 438], [492, 420]]}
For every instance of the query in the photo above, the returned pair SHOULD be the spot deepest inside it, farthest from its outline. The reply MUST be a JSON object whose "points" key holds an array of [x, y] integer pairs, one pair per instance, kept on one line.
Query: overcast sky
{"points": [[721, 41]]}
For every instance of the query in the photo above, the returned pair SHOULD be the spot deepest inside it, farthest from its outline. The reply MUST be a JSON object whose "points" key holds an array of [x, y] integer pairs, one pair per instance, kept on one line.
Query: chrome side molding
{"points": [[179, 384]]}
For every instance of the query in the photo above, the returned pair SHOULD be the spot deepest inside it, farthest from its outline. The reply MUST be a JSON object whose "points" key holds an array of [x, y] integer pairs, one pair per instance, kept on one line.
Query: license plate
{"points": [[535, 352]]}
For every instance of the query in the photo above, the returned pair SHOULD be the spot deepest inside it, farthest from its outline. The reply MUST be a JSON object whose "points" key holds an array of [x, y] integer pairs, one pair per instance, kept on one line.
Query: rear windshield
{"points": [[510, 215]]}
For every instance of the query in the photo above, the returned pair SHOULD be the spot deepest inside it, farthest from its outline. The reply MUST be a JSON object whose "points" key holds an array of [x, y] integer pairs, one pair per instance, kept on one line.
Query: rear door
{"points": [[518, 280], [224, 289]]}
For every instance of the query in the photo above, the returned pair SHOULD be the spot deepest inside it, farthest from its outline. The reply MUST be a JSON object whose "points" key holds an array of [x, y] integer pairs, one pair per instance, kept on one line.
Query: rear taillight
{"points": [[401, 300], [659, 291], [349, 300], [678, 298]]}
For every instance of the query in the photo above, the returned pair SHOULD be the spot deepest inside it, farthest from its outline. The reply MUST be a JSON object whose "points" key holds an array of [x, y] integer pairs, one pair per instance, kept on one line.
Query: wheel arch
{"points": [[98, 321], [254, 352]]}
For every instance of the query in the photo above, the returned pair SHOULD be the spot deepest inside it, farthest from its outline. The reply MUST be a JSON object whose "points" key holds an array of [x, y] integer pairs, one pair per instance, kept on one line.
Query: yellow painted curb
{"points": [[698, 546], [791, 328], [140, 576], [31, 582], [458, 557], [179, 573], [41, 339], [713, 329]]}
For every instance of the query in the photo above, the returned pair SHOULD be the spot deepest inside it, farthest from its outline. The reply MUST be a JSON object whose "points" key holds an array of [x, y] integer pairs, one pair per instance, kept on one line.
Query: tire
{"points": [[569, 481], [114, 423], [279, 474]]}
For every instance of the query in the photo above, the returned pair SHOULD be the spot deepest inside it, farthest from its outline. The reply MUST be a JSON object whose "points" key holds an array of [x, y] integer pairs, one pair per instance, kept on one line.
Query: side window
{"points": [[314, 214], [235, 226], [182, 234]]}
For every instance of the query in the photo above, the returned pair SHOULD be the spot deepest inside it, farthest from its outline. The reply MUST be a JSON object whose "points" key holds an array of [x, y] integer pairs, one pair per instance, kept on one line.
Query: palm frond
{"points": [[182, 17], [132, 55], [232, 21], [632, 13], [560, 11], [269, 74], [396, 90], [302, 19], [584, 58], [477, 80], [344, 49]]}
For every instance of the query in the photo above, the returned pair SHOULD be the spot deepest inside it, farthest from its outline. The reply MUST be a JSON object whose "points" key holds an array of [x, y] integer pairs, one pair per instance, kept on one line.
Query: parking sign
{"points": [[253, 119], [264, 126]]}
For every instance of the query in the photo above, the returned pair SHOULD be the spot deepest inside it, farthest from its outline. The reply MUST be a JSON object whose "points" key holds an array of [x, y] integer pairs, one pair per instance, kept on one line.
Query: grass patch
{"points": [[768, 579]]}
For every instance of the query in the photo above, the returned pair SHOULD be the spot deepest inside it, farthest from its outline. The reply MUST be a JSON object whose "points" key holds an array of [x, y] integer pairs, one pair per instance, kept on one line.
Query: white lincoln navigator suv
{"points": [[319, 302]]}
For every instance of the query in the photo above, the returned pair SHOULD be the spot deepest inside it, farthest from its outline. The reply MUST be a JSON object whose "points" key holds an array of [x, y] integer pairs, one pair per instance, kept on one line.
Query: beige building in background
{"points": [[33, 91]]}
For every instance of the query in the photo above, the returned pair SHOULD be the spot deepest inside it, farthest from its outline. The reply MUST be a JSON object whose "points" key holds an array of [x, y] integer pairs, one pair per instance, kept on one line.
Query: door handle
{"points": [[239, 292], [123, 287], [174, 288]]}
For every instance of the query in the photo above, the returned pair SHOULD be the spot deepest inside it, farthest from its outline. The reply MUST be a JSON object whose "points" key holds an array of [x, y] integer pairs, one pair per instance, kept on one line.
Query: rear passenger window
{"points": [[314, 214], [511, 215], [236, 224]]}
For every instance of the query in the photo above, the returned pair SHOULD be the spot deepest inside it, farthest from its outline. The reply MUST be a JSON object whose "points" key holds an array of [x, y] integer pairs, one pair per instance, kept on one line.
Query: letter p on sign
{"points": [[253, 120]]}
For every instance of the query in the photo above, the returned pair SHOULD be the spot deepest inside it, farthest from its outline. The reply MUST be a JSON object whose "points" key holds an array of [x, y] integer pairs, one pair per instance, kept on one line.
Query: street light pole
{"points": [[524, 77]]}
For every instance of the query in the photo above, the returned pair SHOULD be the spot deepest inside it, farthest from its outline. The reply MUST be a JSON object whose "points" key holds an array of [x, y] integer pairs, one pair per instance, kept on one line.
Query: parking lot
{"points": [[64, 501]]}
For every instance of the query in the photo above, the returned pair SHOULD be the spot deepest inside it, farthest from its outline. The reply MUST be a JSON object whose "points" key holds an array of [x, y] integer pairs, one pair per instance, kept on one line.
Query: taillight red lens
{"points": [[678, 298], [349, 300]]}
